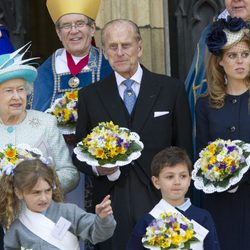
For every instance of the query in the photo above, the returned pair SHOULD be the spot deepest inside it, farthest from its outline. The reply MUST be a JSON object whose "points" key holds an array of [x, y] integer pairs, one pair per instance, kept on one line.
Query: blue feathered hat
{"points": [[12, 66]]}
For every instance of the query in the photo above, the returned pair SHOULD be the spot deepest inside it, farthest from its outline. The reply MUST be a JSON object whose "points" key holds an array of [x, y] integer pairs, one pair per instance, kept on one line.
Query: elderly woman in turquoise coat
{"points": [[35, 128]]}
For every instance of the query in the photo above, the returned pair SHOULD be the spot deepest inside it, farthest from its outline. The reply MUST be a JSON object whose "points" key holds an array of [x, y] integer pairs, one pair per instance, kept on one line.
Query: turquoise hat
{"points": [[12, 66]]}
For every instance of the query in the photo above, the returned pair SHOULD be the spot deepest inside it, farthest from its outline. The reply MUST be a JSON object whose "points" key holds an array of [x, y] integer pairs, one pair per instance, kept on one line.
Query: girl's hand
{"points": [[104, 209]]}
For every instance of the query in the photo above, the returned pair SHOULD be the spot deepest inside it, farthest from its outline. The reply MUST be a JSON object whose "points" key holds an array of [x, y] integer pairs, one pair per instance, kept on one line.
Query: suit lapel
{"points": [[112, 102], [149, 91]]}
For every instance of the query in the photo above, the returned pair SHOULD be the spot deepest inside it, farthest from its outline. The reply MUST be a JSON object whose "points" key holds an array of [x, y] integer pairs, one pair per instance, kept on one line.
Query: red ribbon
{"points": [[76, 68]]}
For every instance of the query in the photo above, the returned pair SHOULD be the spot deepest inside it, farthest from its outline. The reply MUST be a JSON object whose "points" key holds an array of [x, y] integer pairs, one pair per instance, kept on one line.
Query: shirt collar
{"points": [[184, 206], [62, 53], [136, 77], [223, 14]]}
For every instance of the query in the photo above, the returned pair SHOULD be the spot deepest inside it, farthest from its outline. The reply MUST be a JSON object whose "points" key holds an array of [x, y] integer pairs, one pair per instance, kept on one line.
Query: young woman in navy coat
{"points": [[224, 113]]}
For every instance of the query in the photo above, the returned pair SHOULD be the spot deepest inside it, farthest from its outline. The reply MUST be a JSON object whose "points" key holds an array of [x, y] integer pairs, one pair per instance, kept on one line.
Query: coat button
{"points": [[234, 101], [132, 163], [232, 129]]}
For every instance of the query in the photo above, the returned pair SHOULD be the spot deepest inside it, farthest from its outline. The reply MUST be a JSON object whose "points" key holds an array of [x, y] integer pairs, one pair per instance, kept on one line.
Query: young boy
{"points": [[171, 174]]}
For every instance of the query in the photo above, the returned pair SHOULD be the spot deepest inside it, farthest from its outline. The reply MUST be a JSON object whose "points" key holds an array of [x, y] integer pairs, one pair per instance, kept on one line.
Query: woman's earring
{"points": [[225, 79]]}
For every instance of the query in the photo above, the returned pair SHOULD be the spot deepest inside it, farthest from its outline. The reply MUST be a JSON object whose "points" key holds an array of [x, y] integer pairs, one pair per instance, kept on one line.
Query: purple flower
{"points": [[233, 168], [230, 149], [71, 118], [166, 236], [222, 166], [155, 224], [184, 227], [126, 145], [242, 159], [74, 104], [209, 167], [119, 142], [8, 169]]}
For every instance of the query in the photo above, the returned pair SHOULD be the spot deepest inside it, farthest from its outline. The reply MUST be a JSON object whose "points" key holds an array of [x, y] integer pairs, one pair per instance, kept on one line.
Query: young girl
{"points": [[34, 218]]}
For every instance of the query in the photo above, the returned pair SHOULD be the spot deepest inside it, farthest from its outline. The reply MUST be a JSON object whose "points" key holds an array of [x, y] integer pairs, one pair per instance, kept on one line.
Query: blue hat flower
{"points": [[225, 33], [12, 66]]}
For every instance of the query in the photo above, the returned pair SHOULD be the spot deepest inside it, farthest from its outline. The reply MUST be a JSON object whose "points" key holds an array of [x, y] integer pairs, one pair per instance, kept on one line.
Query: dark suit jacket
{"points": [[133, 194], [101, 102]]}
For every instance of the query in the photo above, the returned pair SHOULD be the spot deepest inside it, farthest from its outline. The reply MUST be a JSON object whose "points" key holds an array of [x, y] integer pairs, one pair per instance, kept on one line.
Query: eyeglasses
{"points": [[77, 25]]}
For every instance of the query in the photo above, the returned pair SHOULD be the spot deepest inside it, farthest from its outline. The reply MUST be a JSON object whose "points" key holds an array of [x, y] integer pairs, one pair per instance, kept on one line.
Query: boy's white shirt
{"points": [[43, 227], [164, 206]]}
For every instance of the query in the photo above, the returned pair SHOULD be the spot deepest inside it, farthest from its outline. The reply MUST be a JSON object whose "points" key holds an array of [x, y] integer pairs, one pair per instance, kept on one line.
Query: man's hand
{"points": [[104, 209], [106, 171]]}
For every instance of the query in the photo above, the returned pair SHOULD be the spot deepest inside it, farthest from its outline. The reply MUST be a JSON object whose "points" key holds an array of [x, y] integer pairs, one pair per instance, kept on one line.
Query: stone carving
{"points": [[190, 19]]}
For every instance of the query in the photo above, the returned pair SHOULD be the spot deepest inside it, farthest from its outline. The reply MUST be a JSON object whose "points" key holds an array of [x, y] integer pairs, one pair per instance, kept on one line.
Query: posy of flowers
{"points": [[11, 155], [222, 163], [170, 230], [110, 144], [65, 109]]}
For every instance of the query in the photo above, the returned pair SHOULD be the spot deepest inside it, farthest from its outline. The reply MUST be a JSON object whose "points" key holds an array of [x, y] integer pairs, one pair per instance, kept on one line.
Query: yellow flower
{"points": [[113, 153], [72, 95], [189, 234], [212, 160], [100, 153], [177, 239], [229, 161], [211, 148], [176, 226], [121, 150], [152, 241], [10, 153], [166, 243], [67, 114]]}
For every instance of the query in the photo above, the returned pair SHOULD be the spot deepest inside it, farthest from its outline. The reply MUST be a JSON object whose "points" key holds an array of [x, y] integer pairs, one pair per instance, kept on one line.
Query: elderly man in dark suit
{"points": [[159, 113]]}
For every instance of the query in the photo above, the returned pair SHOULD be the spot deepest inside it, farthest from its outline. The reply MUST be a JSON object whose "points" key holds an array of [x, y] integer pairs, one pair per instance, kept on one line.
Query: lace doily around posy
{"points": [[29, 149], [93, 162], [211, 188]]}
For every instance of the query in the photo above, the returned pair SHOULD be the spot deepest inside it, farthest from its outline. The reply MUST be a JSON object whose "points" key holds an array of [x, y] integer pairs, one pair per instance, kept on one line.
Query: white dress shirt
{"points": [[61, 64], [136, 84]]}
